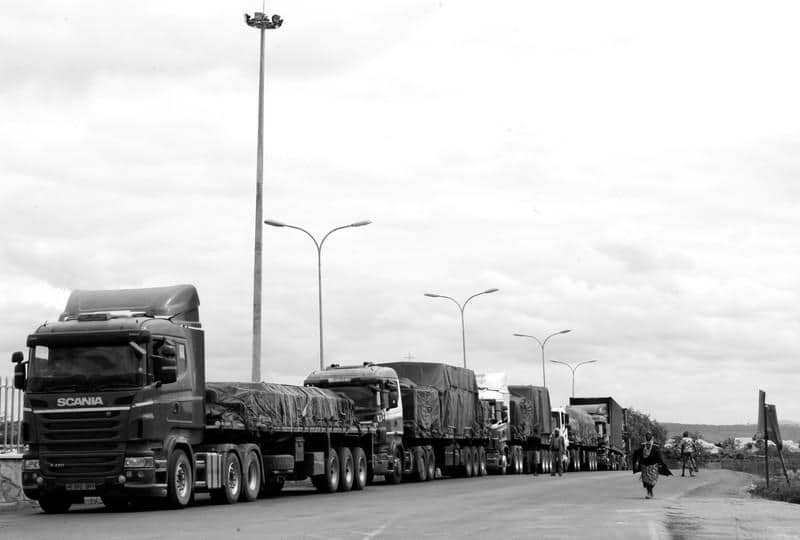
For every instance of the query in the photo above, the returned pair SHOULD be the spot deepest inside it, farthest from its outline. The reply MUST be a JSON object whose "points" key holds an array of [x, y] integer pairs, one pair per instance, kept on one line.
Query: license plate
{"points": [[80, 486]]}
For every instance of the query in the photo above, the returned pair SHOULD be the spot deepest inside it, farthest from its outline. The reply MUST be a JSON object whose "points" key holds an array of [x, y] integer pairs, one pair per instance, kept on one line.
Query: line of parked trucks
{"points": [[117, 406]]}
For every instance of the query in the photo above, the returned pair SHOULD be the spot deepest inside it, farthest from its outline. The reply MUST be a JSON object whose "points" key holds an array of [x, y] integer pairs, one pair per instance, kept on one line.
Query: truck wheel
{"points": [[231, 481], [346, 468], [430, 460], [252, 477], [54, 504], [179, 480], [359, 467], [520, 461], [420, 466], [482, 461], [503, 462], [329, 482], [115, 504], [396, 475], [466, 458]]}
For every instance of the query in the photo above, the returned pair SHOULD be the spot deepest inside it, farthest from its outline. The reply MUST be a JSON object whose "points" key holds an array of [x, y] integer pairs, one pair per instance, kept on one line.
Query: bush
{"points": [[778, 490]]}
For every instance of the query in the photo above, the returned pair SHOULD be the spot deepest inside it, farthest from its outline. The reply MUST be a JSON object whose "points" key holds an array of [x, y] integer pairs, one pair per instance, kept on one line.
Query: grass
{"points": [[778, 490]]}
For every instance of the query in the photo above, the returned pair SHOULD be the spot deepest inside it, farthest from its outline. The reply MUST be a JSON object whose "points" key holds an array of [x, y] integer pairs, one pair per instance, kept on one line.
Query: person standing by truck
{"points": [[557, 448], [687, 455], [647, 460]]}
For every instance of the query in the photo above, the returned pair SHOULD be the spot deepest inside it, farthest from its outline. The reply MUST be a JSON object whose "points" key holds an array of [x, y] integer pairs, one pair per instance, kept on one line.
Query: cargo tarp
{"points": [[461, 414], [534, 408], [265, 406], [421, 410], [581, 427]]}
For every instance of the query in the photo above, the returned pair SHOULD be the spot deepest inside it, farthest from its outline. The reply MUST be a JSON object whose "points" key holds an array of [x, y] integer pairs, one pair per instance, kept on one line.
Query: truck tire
{"points": [[420, 464], [115, 504], [54, 504], [359, 468], [466, 458], [346, 468], [251, 485], [482, 461], [395, 476], [430, 460], [180, 481], [329, 482], [520, 461], [231, 481], [503, 464]]}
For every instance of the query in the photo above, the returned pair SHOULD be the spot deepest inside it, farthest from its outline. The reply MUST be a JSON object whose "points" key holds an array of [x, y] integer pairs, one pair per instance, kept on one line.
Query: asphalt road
{"points": [[579, 505]]}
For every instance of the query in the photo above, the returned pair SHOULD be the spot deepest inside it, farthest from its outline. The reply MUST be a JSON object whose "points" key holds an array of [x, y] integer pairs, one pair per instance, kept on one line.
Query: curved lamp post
{"points": [[318, 245], [542, 344], [461, 309], [579, 364]]}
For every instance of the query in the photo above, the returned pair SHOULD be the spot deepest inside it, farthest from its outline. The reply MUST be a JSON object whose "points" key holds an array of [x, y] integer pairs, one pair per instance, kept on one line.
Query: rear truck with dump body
{"points": [[610, 427], [117, 407], [580, 438], [429, 416], [519, 424]]}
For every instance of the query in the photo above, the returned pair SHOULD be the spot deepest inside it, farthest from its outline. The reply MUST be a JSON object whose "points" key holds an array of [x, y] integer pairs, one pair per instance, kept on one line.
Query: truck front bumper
{"points": [[131, 483]]}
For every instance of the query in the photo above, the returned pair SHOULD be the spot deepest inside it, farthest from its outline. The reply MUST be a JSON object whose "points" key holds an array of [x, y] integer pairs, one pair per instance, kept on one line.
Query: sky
{"points": [[623, 170]]}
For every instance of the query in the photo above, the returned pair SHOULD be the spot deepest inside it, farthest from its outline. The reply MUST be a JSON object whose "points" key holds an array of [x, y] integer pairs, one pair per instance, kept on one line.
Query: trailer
{"points": [[117, 407], [609, 419], [430, 420], [580, 438], [521, 425]]}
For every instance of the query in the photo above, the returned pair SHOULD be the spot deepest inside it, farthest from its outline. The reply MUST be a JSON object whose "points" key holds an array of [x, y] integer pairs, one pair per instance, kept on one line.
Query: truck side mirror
{"points": [[19, 370], [392, 399]]}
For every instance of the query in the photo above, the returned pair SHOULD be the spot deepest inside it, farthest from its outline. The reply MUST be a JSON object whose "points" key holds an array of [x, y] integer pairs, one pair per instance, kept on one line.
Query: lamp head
{"points": [[565, 331], [361, 223], [274, 223], [487, 291], [431, 295]]}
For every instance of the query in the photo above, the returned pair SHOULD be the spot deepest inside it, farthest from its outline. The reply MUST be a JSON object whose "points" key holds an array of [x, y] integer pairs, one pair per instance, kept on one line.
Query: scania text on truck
{"points": [[117, 406]]}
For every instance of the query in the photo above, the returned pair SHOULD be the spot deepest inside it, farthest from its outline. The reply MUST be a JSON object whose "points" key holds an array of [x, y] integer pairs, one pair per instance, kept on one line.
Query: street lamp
{"points": [[461, 309], [573, 370], [262, 22], [542, 344], [319, 245]]}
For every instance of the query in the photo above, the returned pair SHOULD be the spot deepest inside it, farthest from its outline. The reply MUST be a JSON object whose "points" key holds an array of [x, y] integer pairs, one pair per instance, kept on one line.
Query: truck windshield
{"points": [[364, 397], [86, 369]]}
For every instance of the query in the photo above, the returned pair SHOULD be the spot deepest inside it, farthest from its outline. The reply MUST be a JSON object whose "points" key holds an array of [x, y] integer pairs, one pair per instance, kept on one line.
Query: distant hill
{"points": [[714, 433]]}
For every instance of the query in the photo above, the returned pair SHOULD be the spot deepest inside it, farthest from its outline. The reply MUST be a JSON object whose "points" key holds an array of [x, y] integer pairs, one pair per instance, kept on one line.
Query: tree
{"points": [[639, 424]]}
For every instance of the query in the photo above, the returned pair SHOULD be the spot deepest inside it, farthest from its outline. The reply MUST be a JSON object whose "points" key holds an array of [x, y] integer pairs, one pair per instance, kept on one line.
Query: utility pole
{"points": [[262, 22]]}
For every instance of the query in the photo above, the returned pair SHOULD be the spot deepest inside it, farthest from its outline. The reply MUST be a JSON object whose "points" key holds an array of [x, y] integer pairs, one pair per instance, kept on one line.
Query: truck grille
{"points": [[82, 443]]}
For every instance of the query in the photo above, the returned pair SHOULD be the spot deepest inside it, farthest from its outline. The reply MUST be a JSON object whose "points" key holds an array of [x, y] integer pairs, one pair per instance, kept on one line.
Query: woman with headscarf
{"points": [[648, 460]]}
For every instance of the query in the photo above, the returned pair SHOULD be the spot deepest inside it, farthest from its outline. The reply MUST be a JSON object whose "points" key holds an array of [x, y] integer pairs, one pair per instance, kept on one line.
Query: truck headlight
{"points": [[30, 465], [144, 462]]}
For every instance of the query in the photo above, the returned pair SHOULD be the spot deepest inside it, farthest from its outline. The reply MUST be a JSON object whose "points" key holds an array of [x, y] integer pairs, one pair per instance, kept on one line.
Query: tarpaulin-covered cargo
{"points": [[267, 406], [460, 411], [534, 411], [421, 410], [581, 427], [608, 410]]}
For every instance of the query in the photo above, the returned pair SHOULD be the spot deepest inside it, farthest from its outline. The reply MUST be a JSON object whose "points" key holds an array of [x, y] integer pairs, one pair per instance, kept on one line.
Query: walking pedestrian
{"points": [[647, 460], [557, 448], [687, 455]]}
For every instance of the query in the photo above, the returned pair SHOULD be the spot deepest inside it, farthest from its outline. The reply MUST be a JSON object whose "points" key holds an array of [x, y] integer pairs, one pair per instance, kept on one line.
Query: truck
{"points": [[117, 406], [580, 438], [611, 427], [520, 425], [429, 418]]}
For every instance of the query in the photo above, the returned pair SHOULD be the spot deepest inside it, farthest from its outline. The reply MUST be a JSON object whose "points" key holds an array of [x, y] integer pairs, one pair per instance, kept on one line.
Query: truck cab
{"points": [[110, 389], [375, 391]]}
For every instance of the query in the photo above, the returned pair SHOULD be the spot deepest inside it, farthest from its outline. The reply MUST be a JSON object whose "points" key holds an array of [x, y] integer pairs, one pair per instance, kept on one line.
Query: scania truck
{"points": [[117, 406]]}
